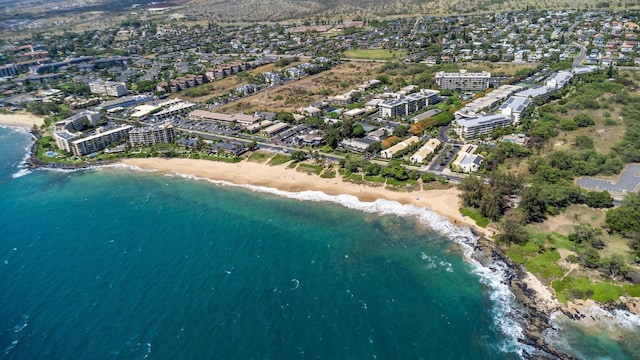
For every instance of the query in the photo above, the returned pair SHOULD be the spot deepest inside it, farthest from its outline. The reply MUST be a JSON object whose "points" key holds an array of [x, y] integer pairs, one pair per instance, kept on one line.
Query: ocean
{"points": [[112, 263]]}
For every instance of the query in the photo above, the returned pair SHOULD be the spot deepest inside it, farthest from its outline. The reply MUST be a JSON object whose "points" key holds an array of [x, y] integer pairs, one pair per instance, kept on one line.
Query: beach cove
{"points": [[280, 180]]}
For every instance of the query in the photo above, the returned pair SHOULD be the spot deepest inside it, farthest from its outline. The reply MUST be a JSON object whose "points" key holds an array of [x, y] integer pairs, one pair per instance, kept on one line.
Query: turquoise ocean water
{"points": [[116, 264]]}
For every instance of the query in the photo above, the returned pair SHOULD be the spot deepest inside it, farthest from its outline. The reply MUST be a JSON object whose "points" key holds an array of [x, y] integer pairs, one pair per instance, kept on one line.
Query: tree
{"points": [[589, 256], [298, 156], [400, 131], [285, 116], [358, 130], [332, 138], [598, 199], [584, 142], [533, 205], [625, 219], [614, 266], [585, 234], [583, 120], [511, 229], [252, 146]]}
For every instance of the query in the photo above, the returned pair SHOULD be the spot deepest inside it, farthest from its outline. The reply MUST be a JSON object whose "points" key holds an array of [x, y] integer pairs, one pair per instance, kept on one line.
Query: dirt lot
{"points": [[302, 93]]}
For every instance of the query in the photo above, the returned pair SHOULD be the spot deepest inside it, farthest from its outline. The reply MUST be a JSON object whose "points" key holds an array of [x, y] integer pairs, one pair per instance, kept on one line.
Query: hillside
{"points": [[258, 10]]}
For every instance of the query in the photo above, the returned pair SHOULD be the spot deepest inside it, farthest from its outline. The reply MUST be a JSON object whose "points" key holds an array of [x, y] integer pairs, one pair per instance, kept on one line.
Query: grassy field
{"points": [[279, 159], [259, 157], [375, 54]]}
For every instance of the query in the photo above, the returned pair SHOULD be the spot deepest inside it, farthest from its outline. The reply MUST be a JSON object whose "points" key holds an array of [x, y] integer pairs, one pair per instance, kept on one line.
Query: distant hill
{"points": [[260, 10], [275, 10]]}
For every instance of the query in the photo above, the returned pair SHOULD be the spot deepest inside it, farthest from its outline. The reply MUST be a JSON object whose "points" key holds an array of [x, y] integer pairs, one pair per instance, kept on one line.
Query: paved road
{"points": [[582, 56], [628, 181]]}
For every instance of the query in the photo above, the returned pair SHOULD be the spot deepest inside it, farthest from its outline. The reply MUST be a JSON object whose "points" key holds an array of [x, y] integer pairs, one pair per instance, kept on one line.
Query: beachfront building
{"points": [[388, 153], [151, 135], [425, 151], [109, 88], [469, 128], [467, 161], [514, 107], [63, 136], [66, 131], [463, 80], [100, 140]]}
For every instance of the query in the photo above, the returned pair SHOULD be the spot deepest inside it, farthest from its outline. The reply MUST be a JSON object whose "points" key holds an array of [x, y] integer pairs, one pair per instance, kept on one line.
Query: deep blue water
{"points": [[115, 264]]}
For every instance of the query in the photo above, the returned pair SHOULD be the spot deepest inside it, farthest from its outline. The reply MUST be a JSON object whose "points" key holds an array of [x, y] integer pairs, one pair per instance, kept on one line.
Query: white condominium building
{"points": [[109, 88], [151, 135], [99, 141], [469, 128], [463, 80]]}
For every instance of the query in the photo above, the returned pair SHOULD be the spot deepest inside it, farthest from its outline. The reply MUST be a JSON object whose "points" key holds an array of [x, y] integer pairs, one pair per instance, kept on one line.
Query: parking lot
{"points": [[628, 181], [445, 157]]}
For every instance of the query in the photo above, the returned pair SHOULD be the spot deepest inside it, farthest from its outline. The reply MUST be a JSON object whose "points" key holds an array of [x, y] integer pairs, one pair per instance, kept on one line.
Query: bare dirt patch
{"points": [[303, 92]]}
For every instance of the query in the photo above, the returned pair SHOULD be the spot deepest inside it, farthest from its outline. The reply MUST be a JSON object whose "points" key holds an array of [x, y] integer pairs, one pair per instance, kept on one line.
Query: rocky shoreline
{"points": [[538, 309]]}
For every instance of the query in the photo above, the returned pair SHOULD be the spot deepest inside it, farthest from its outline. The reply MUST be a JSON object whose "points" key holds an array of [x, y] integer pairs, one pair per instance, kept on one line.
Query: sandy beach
{"points": [[444, 202], [21, 119]]}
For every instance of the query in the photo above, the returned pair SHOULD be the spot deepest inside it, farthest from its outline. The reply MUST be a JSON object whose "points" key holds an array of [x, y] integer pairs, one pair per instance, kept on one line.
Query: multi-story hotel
{"points": [[65, 131], [469, 128], [100, 140], [463, 80], [404, 105], [151, 135]]}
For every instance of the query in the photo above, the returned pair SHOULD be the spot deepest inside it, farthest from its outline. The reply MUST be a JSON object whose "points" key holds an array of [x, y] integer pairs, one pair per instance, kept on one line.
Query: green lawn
{"points": [[279, 159], [476, 216], [259, 157], [317, 169], [375, 54]]}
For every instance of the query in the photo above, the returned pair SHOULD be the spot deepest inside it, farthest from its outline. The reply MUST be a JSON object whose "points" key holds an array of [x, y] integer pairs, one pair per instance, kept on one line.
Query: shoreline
{"points": [[21, 119], [443, 202], [537, 300]]}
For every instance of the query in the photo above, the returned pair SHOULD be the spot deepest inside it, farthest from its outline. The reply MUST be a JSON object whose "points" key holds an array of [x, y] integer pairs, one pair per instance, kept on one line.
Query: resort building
{"points": [[483, 104], [469, 128], [163, 110], [407, 104], [100, 140], [427, 149], [466, 161], [109, 88], [388, 153], [151, 135], [514, 107], [463, 80], [66, 131], [125, 102], [63, 136]]}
